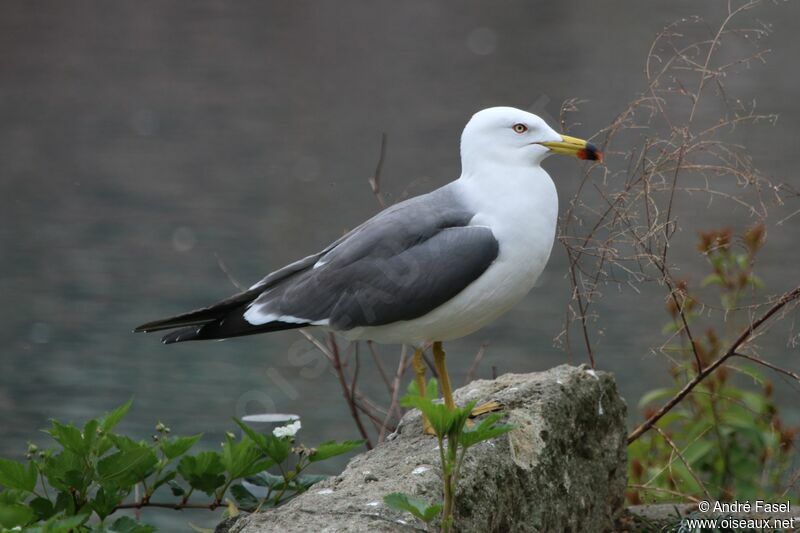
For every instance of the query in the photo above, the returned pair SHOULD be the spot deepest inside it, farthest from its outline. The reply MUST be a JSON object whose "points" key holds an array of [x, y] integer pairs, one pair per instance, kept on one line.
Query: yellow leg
{"points": [[419, 376], [444, 378], [447, 392]]}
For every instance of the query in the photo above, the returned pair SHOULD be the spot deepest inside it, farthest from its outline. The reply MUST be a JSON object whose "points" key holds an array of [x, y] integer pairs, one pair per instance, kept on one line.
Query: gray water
{"points": [[141, 141]]}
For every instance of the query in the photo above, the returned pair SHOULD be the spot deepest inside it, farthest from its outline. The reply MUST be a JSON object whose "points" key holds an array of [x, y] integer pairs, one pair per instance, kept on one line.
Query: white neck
{"points": [[520, 205], [518, 191]]}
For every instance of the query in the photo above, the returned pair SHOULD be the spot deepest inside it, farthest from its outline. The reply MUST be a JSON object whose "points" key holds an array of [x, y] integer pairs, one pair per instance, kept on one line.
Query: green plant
{"points": [[94, 471], [726, 439], [455, 435]]}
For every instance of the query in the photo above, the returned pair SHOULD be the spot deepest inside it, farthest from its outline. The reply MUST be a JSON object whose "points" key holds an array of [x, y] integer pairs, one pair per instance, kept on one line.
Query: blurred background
{"points": [[140, 142]]}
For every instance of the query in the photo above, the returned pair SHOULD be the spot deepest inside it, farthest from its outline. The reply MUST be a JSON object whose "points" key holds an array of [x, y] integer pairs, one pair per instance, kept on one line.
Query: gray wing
{"points": [[399, 265]]}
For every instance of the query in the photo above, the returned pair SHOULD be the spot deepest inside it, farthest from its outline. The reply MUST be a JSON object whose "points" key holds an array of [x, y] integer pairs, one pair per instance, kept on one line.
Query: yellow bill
{"points": [[574, 147]]}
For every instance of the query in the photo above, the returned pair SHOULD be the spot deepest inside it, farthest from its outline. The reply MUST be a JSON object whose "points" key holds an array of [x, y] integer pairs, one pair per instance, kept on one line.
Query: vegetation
{"points": [[715, 433], [90, 476], [726, 440], [676, 150], [455, 434]]}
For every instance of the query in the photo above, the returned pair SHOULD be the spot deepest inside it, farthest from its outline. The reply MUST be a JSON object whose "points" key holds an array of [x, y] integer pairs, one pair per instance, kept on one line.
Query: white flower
{"points": [[288, 430]]}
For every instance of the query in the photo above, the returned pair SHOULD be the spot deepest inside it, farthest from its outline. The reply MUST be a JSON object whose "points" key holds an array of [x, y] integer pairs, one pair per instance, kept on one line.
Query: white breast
{"points": [[521, 208]]}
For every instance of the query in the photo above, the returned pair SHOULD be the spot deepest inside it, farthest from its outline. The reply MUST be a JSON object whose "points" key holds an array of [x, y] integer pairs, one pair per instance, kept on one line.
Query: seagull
{"points": [[430, 269]]}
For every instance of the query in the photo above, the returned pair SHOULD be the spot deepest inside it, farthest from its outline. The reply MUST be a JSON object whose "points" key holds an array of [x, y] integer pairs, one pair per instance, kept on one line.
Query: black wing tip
{"points": [[172, 323], [181, 335]]}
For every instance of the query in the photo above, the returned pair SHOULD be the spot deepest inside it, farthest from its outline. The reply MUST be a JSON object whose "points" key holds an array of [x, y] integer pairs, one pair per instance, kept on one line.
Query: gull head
{"points": [[510, 136]]}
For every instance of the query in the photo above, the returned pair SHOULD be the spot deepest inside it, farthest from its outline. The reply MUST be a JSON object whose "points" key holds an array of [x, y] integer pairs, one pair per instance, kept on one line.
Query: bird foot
{"points": [[488, 407]]}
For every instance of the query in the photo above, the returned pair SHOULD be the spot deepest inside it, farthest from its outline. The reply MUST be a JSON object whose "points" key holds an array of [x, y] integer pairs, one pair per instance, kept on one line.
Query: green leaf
{"points": [[14, 475], [42, 507], [329, 449], [60, 525], [177, 446], [105, 500], [460, 417], [265, 479], [742, 261], [439, 416], [431, 389], [68, 436], [15, 514], [258, 438], [306, 481], [258, 466], [203, 471], [240, 457], [655, 394], [711, 279], [176, 488], [13, 496], [89, 434], [68, 470], [487, 429], [244, 497], [755, 401], [743, 421], [416, 506], [697, 451], [755, 281], [65, 502], [728, 300], [750, 372], [164, 478], [125, 443], [276, 449], [128, 466], [127, 524], [670, 328], [685, 482], [114, 417]]}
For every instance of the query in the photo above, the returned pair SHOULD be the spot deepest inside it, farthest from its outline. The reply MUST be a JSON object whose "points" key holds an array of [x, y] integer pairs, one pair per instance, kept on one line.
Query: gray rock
{"points": [[561, 469]]}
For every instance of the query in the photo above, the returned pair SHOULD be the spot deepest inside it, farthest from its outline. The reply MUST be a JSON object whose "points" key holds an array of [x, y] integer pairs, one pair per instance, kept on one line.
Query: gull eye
{"points": [[520, 128]]}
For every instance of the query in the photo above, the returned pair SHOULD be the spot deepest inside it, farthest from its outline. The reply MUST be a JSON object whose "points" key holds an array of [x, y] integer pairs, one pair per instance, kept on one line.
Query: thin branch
{"points": [[401, 368], [769, 365], [164, 505], [377, 358], [681, 312], [317, 344], [222, 266], [677, 452], [665, 491], [475, 362], [375, 180], [348, 396]]}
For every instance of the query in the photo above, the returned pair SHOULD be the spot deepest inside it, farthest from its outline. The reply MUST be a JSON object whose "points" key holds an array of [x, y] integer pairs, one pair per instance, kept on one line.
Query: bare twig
{"points": [[377, 358], [401, 368], [776, 368], [375, 180], [164, 505], [475, 362], [222, 266], [665, 491], [348, 395], [677, 452]]}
